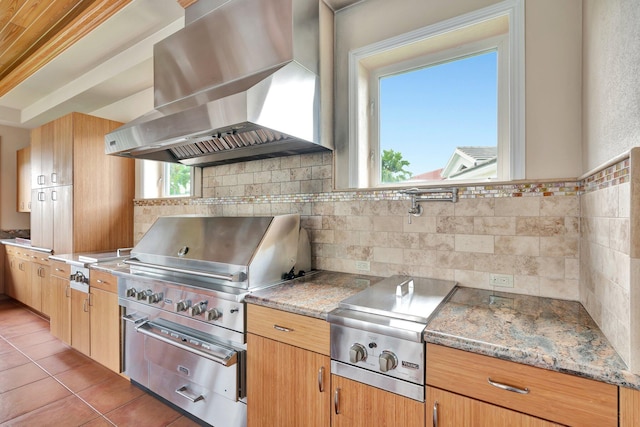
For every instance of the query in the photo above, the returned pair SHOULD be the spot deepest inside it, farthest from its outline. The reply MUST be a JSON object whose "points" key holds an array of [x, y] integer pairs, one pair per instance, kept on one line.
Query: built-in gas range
{"points": [[377, 334]]}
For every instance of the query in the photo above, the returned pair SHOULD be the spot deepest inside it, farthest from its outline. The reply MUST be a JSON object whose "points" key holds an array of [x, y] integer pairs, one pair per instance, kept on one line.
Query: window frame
{"points": [[364, 145], [154, 185]]}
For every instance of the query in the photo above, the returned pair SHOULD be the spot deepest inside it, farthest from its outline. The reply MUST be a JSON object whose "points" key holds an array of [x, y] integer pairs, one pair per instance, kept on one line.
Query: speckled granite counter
{"points": [[547, 333], [313, 295]]}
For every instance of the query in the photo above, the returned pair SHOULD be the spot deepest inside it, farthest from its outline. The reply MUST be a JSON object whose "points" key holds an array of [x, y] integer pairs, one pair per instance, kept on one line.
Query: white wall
{"points": [[11, 140]]}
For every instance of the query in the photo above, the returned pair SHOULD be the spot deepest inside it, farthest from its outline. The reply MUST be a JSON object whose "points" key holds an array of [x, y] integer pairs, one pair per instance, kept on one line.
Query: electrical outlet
{"points": [[503, 280], [363, 265]]}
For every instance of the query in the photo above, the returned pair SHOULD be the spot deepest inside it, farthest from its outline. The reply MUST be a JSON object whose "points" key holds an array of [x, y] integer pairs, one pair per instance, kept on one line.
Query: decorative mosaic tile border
{"points": [[611, 176]]}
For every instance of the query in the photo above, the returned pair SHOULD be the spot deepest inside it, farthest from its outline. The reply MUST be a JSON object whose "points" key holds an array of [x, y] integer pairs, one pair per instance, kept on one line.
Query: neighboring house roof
{"points": [[435, 175], [471, 162]]}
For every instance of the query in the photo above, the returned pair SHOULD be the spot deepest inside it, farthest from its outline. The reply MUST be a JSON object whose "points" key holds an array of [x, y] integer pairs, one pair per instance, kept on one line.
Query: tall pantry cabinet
{"points": [[82, 199]]}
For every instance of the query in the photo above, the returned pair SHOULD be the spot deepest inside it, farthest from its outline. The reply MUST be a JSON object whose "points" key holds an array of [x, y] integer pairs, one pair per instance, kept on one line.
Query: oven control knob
{"points": [[131, 292], [183, 305], [154, 298], [214, 314], [388, 361], [357, 352], [198, 308]]}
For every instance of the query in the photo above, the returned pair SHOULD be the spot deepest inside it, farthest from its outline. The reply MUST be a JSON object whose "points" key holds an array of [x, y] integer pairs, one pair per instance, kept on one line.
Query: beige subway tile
{"points": [[517, 206], [290, 162], [321, 236], [440, 242], [208, 192], [526, 265], [253, 190], [517, 245], [245, 209], [619, 232], [454, 225], [312, 159], [403, 240], [494, 225], [271, 189], [327, 185], [572, 268], [283, 175], [236, 168], [221, 170], [475, 207], [624, 200], [262, 209], [473, 243], [559, 246], [437, 208], [262, 177], [500, 264], [371, 238], [566, 289], [551, 267], [253, 166], [222, 191], [342, 208], [236, 190], [348, 237], [324, 208], [333, 222], [281, 208], [301, 174], [359, 253], [388, 255], [559, 206], [359, 223], [292, 187], [472, 279], [434, 271], [311, 187], [320, 172], [271, 164], [454, 260], [245, 178], [418, 257], [527, 285], [387, 223], [301, 208], [313, 222], [230, 210]]}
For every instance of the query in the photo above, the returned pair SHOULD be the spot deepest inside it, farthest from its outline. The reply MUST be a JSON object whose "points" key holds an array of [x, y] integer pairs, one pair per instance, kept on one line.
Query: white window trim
{"points": [[359, 104]]}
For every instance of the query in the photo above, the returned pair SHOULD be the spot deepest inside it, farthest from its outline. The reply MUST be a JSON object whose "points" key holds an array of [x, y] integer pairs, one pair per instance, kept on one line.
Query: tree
{"points": [[179, 179], [393, 167]]}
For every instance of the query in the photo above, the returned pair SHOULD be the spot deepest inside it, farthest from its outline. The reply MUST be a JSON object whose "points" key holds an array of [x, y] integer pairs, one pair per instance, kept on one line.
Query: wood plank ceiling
{"points": [[33, 32]]}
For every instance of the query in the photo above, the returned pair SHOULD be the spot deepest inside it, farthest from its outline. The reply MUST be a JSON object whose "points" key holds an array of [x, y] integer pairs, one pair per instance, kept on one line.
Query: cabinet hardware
{"points": [[507, 387], [54, 177], [85, 304], [282, 328], [66, 291], [435, 414], [183, 391], [101, 281], [321, 379], [336, 401]]}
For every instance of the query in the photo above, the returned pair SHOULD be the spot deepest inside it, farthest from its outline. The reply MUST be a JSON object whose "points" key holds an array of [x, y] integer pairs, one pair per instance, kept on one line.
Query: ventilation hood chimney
{"points": [[247, 79]]}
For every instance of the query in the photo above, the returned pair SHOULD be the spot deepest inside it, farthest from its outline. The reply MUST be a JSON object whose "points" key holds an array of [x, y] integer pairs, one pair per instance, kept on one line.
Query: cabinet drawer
{"points": [[562, 398], [103, 280], [60, 269], [294, 329], [41, 258]]}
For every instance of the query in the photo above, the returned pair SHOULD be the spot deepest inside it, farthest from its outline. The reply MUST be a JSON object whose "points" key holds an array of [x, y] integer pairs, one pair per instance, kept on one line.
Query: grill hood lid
{"points": [[240, 82]]}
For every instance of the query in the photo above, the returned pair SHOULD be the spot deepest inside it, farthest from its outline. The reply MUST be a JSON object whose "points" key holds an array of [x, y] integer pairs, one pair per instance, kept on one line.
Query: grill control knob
{"points": [[131, 292], [154, 298], [143, 294], [357, 352], [214, 314], [388, 361], [183, 305], [198, 308]]}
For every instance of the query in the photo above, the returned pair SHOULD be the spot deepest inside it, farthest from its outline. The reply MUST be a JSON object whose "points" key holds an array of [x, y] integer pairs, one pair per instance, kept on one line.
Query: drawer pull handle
{"points": [[282, 328], [508, 387], [184, 392], [321, 379], [336, 401], [435, 414]]}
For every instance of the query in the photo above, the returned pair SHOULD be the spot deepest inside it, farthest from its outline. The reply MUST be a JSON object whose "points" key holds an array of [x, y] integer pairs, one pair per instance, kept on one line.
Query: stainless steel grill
{"points": [[184, 311]]}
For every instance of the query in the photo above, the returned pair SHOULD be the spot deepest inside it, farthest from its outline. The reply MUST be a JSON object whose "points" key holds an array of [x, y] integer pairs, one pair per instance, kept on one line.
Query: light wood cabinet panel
{"points": [[60, 317], [301, 331], [286, 385], [76, 180], [80, 322], [23, 167], [104, 320], [360, 405], [562, 398], [629, 407], [445, 409]]}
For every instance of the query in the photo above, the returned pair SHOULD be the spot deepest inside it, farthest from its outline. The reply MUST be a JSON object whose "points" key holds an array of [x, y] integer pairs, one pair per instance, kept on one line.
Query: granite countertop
{"points": [[23, 243], [552, 334], [314, 295]]}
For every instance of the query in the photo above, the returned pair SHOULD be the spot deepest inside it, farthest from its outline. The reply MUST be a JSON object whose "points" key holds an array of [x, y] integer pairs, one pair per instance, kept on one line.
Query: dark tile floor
{"points": [[44, 382]]}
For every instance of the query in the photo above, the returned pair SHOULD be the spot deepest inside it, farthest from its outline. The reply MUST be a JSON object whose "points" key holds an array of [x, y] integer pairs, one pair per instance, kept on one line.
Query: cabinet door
{"points": [[23, 165], [62, 151], [445, 409], [10, 265], [104, 324], [42, 155], [41, 218], [60, 317], [38, 275], [21, 277], [359, 405], [80, 322], [286, 385], [629, 407], [62, 218]]}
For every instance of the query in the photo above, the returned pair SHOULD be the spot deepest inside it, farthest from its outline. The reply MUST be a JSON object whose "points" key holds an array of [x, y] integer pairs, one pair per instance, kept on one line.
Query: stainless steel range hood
{"points": [[249, 79]]}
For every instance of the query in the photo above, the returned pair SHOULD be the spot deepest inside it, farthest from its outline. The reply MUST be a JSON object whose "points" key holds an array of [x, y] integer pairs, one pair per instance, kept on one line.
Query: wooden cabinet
{"points": [[60, 306], [553, 396], [23, 168], [80, 321], [358, 405], [105, 320], [629, 407], [18, 283], [82, 199], [452, 410], [288, 369]]}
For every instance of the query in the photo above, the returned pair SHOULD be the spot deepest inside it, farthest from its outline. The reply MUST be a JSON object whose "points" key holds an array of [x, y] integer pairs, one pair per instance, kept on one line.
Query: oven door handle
{"points": [[216, 353], [237, 277], [135, 318]]}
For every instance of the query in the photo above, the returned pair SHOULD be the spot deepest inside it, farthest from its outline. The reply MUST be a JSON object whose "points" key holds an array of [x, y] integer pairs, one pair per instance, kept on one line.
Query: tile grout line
{"points": [[55, 379]]}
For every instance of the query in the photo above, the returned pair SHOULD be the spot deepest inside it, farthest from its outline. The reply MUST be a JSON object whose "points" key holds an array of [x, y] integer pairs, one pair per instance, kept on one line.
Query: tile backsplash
{"points": [[563, 239]]}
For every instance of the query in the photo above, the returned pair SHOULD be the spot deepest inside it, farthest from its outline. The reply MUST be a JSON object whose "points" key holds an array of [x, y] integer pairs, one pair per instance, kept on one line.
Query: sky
{"points": [[426, 113]]}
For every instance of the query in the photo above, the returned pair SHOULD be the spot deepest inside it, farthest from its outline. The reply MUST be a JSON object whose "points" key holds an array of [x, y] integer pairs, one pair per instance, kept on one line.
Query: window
{"points": [[161, 179], [442, 104]]}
